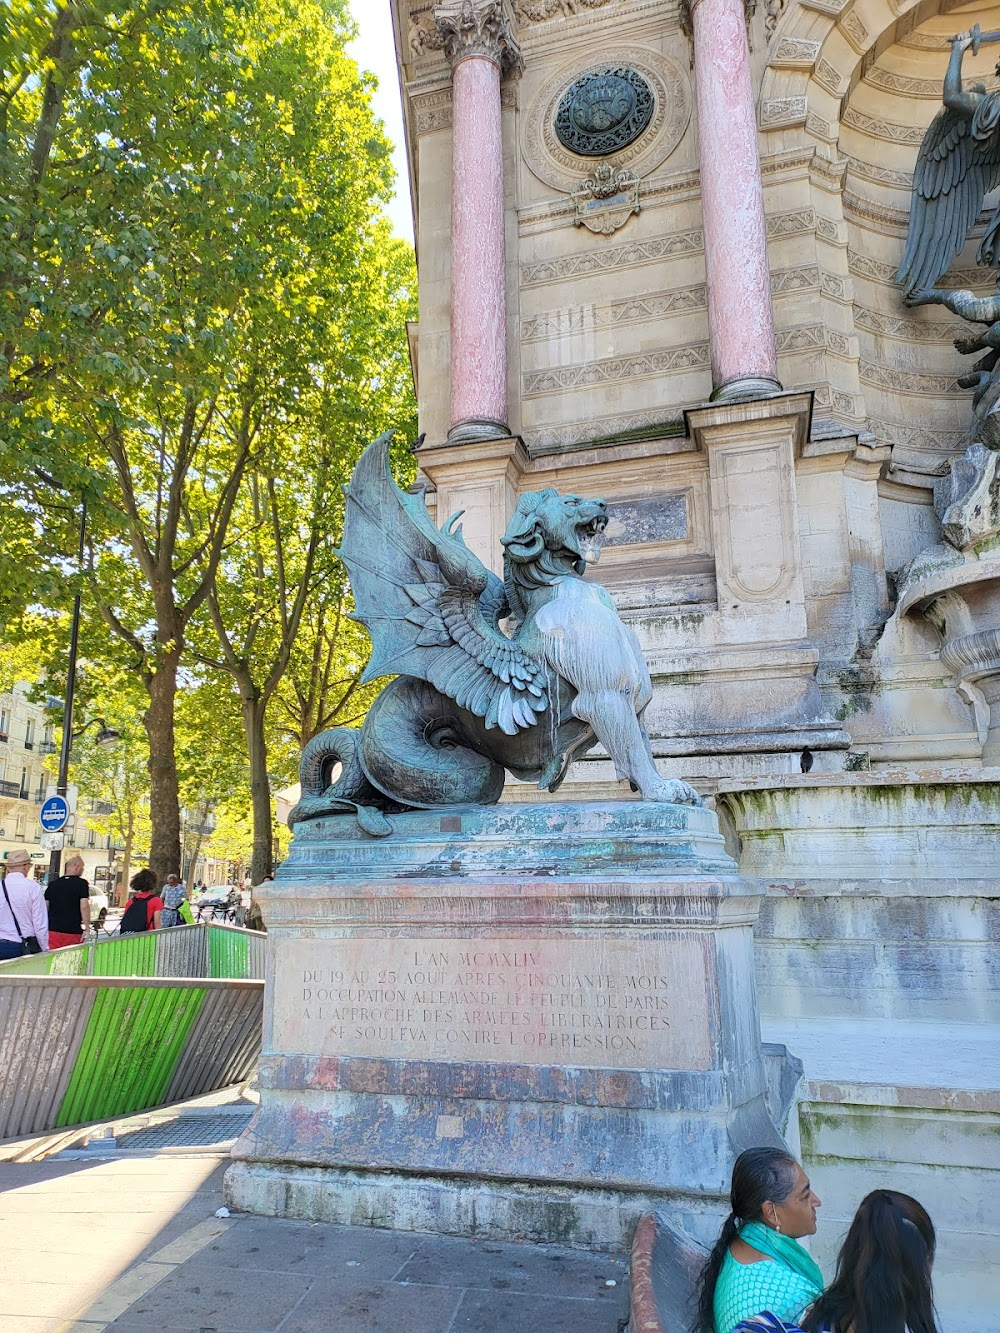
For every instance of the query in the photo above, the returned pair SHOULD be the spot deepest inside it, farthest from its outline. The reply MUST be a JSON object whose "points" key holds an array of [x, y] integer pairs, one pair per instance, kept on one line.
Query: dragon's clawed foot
{"points": [[672, 791], [969, 345]]}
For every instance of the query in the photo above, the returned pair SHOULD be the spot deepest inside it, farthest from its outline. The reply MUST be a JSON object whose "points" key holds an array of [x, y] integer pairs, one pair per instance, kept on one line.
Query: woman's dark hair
{"points": [[883, 1282], [143, 882], [760, 1175]]}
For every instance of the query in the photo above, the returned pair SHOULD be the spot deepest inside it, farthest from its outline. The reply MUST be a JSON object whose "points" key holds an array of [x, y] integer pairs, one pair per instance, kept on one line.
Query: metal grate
{"points": [[194, 1131]]}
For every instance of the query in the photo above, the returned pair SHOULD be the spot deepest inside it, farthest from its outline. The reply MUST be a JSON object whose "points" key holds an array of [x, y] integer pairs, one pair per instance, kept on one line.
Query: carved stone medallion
{"points": [[630, 108], [604, 111]]}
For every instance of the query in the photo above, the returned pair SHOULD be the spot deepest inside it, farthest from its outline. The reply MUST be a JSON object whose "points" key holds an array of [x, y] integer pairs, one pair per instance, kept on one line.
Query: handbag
{"points": [[28, 942]]}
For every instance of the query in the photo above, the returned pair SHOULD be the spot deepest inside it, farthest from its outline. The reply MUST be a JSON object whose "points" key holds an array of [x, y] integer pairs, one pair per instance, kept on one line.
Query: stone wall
{"points": [[878, 965]]}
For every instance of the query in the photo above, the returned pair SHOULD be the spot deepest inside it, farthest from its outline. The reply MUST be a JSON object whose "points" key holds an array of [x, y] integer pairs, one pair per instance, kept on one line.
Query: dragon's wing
{"points": [[430, 605], [954, 172]]}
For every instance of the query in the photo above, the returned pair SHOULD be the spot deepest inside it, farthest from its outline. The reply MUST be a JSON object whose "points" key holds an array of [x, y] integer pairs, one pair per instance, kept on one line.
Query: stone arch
{"points": [[858, 83], [822, 49]]}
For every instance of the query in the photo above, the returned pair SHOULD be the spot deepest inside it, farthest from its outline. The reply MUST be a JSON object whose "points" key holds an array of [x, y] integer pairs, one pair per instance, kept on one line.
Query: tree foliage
{"points": [[201, 320]]}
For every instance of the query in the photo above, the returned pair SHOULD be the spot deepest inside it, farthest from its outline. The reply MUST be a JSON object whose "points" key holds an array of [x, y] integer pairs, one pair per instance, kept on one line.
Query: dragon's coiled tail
{"points": [[351, 791], [414, 750], [411, 752]]}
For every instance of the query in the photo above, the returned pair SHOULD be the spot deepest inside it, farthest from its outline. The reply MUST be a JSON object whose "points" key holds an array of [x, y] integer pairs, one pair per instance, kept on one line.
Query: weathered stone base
{"points": [[490, 1209], [535, 1021]]}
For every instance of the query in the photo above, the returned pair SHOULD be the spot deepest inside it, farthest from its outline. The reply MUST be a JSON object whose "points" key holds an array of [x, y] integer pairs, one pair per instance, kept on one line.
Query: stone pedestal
{"points": [[534, 1021], [753, 681]]}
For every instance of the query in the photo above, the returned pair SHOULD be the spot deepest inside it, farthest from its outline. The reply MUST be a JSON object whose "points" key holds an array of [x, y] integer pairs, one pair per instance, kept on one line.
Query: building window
{"points": [[29, 734], [25, 784], [4, 723]]}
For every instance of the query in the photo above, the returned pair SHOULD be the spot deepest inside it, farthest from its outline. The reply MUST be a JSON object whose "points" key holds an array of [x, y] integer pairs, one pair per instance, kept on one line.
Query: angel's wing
{"points": [[430, 605], [954, 172]]}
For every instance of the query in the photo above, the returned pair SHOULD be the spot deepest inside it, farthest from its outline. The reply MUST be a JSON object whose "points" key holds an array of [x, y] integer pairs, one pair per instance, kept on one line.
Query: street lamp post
{"points": [[106, 735], [62, 781]]}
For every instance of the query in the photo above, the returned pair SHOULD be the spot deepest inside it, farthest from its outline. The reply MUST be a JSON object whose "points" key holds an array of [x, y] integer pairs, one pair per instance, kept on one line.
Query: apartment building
{"points": [[27, 739]]}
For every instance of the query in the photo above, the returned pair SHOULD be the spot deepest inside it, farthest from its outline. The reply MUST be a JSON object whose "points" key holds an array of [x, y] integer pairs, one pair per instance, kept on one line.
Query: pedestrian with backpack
{"points": [[145, 910]]}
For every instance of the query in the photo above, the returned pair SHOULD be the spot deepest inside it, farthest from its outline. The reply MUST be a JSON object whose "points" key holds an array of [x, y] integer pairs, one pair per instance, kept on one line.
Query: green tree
{"points": [[119, 779], [21, 657], [232, 837], [323, 688], [281, 558], [202, 222]]}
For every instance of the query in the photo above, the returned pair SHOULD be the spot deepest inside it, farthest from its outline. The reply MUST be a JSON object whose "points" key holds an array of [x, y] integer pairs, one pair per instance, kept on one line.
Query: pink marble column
{"points": [[740, 316], [479, 42]]}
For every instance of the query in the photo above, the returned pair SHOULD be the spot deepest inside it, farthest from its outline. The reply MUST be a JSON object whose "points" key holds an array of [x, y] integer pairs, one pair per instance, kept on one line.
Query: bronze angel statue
{"points": [[471, 699], [957, 167]]}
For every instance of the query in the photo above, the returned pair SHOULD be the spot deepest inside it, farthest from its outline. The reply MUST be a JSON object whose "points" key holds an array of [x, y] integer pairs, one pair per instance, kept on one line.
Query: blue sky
{"points": [[374, 50]]}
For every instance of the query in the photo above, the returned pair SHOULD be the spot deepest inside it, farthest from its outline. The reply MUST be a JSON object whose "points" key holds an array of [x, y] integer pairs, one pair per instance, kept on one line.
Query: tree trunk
{"points": [[261, 863], [164, 801]]}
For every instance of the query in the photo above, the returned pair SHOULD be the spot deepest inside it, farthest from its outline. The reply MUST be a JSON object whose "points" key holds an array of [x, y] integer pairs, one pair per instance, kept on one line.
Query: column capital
{"points": [[483, 28], [688, 7]]}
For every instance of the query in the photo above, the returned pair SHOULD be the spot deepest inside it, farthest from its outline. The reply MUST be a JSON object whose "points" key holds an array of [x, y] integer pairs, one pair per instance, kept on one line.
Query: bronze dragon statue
{"points": [[470, 700]]}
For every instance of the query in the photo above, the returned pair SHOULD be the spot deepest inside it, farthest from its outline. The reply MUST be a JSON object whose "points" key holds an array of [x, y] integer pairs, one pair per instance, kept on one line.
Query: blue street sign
{"points": [[54, 814]]}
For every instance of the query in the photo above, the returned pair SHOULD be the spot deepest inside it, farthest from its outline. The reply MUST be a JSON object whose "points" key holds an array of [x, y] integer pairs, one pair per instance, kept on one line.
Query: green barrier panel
{"points": [[72, 962], [227, 954], [31, 965], [130, 1049], [126, 956]]}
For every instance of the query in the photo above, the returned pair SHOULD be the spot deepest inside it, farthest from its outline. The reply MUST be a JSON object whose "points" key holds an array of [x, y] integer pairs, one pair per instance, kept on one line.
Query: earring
{"points": [[777, 1226]]}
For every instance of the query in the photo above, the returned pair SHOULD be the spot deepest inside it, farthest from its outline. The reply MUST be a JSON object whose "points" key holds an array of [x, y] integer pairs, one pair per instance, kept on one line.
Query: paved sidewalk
{"points": [[132, 1243]]}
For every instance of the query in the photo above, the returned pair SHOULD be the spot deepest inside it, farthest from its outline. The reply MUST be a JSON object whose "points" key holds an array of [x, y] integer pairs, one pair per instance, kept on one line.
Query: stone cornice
{"points": [[478, 28]]}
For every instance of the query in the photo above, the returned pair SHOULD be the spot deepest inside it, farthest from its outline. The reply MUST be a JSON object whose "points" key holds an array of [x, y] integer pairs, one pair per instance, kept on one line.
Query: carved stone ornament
{"points": [[967, 500], [641, 151], [479, 28], [540, 11], [604, 111], [606, 199], [959, 594], [424, 37]]}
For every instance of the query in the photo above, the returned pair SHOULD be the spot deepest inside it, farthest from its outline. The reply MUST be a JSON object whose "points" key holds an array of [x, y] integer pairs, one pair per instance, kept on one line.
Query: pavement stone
{"points": [[137, 1247]]}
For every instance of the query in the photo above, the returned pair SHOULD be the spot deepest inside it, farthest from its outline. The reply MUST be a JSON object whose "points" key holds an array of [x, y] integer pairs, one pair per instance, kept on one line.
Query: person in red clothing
{"points": [[143, 886], [68, 898]]}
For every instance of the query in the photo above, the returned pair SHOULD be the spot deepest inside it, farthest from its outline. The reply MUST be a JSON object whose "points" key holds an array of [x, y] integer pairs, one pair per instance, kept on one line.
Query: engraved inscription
{"points": [[620, 1004]]}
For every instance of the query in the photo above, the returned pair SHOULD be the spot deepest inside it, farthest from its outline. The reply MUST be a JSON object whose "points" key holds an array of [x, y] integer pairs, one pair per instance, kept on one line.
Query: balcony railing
{"points": [[29, 745], [4, 737], [101, 808], [47, 747], [10, 789]]}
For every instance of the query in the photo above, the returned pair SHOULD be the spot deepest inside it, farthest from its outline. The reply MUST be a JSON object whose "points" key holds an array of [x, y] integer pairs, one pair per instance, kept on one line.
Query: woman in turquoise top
{"points": [[757, 1263]]}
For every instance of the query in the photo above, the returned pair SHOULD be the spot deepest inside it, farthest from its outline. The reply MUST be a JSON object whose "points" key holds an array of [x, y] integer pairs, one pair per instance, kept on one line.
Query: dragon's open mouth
{"points": [[594, 527]]}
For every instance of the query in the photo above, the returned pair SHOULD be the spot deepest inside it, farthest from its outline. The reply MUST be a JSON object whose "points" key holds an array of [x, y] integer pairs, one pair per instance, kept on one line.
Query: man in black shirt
{"points": [[68, 898]]}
